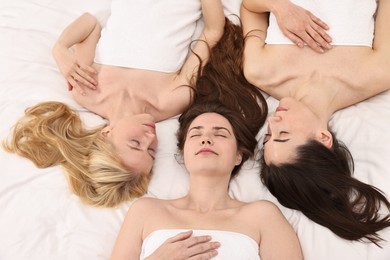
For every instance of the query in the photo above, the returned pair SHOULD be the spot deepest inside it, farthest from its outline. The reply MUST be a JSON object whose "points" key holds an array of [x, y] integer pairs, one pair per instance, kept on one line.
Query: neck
{"points": [[118, 106], [320, 95], [321, 107], [208, 192]]}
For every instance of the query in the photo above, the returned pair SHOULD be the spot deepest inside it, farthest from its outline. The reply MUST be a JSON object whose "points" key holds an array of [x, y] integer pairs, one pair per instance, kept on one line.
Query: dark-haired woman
{"points": [[214, 141], [304, 166]]}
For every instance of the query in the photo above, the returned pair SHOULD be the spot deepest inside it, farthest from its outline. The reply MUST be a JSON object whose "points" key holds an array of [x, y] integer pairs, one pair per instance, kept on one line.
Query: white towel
{"points": [[351, 22], [233, 245], [148, 34]]}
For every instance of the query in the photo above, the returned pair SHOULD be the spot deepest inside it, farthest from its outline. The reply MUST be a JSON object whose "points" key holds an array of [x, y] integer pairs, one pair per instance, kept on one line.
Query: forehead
{"points": [[140, 161], [211, 119], [277, 153], [284, 152]]}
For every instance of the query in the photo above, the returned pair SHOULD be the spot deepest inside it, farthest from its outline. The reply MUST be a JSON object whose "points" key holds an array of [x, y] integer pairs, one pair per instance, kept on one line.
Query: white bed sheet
{"points": [[41, 219]]}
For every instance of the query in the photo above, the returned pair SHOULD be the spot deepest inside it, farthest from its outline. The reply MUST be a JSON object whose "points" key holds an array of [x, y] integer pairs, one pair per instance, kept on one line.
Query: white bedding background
{"points": [[41, 219]]}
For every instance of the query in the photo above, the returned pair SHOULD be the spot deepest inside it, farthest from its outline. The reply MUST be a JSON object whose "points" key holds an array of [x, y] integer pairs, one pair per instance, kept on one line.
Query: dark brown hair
{"points": [[222, 79], [319, 183], [246, 141], [222, 88]]}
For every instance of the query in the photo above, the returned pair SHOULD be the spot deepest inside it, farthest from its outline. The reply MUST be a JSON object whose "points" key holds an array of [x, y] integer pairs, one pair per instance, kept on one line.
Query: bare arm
{"points": [[296, 23], [83, 34], [381, 46], [254, 27], [214, 22], [129, 240], [278, 238], [373, 76]]}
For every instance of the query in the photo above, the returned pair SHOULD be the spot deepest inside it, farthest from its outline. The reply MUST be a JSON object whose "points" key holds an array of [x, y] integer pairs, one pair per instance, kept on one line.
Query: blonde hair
{"points": [[50, 133]]}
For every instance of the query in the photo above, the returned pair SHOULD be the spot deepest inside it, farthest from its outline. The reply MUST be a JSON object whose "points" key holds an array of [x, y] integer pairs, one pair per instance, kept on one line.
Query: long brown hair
{"points": [[222, 79], [319, 183]]}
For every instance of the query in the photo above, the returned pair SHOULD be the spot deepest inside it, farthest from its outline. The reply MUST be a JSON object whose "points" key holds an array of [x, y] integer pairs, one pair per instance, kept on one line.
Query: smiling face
{"points": [[134, 139], [210, 145], [292, 125]]}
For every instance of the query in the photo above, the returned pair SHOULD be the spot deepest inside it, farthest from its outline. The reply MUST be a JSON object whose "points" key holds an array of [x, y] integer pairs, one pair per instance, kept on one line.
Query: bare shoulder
{"points": [[145, 204], [263, 208], [175, 99], [266, 204]]}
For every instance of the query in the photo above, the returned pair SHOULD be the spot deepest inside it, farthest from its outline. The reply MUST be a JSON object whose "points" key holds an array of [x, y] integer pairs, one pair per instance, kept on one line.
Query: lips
{"points": [[205, 151], [280, 109], [151, 125]]}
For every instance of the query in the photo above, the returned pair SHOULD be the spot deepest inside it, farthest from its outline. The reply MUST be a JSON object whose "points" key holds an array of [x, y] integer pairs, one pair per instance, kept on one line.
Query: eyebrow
{"points": [[139, 150], [214, 128]]}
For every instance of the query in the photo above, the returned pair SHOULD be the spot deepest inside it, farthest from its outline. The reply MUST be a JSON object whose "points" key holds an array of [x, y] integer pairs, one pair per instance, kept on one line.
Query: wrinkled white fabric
{"points": [[233, 245], [351, 22], [151, 34]]}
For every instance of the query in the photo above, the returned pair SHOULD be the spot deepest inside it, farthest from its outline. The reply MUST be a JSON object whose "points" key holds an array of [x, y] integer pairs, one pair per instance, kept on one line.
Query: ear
{"points": [[325, 137], [106, 131], [238, 158]]}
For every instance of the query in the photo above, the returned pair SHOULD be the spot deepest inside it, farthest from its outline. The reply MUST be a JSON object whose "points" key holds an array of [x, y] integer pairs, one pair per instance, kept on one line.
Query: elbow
{"points": [[89, 20], [88, 16], [214, 34], [213, 37]]}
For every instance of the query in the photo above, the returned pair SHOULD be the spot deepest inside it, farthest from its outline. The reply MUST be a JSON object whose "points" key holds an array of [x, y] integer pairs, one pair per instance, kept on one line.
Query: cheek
{"points": [[266, 154], [266, 160], [187, 151], [230, 152]]}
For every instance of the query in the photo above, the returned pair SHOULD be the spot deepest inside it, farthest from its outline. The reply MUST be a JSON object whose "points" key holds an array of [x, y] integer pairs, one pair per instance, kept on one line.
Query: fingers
{"points": [[311, 42], [204, 250], [80, 78], [295, 39], [192, 241], [306, 28], [72, 83], [194, 247], [201, 247], [204, 256], [319, 22], [319, 39], [179, 237], [83, 77], [314, 36], [70, 87]]}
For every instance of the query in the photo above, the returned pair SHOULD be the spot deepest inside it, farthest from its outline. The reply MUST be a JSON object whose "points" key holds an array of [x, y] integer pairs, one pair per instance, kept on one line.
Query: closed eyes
{"points": [[218, 135], [151, 152], [279, 140], [135, 142], [218, 131], [266, 138], [134, 145]]}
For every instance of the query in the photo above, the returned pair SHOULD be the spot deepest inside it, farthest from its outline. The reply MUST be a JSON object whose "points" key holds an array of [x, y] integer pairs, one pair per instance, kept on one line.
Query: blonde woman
{"points": [[143, 73]]}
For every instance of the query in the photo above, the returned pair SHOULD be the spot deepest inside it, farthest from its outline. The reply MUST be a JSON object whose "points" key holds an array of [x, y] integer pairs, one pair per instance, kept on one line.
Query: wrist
{"points": [[276, 5]]}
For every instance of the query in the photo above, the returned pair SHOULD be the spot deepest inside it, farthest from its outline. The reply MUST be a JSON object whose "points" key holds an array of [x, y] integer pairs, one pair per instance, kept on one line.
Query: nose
{"points": [[273, 123], [150, 138], [207, 140], [273, 119]]}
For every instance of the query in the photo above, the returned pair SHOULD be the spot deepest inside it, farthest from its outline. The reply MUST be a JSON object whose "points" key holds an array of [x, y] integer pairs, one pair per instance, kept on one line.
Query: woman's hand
{"points": [[77, 74], [185, 246], [301, 26]]}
